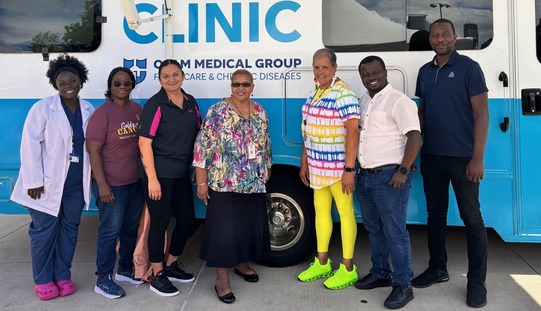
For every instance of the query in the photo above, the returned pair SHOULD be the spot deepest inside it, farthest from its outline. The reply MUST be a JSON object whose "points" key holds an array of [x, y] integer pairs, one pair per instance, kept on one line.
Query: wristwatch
{"points": [[349, 169], [403, 170]]}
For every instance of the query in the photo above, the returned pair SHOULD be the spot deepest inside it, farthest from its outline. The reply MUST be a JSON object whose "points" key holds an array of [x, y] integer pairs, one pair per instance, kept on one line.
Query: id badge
{"points": [[251, 151], [74, 158]]}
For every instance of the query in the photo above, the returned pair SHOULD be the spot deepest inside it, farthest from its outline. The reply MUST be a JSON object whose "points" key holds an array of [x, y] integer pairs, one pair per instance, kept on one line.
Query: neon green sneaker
{"points": [[316, 271], [342, 278]]}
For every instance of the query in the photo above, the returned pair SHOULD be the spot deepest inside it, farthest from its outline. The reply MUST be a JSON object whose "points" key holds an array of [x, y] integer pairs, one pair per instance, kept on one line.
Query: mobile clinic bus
{"points": [[275, 40]]}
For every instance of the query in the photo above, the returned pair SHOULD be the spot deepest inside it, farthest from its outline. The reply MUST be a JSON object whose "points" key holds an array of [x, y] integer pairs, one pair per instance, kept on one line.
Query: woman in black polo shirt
{"points": [[168, 127]]}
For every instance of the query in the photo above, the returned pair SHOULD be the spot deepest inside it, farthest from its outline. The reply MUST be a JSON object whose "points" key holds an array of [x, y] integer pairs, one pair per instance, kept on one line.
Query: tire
{"points": [[290, 211]]}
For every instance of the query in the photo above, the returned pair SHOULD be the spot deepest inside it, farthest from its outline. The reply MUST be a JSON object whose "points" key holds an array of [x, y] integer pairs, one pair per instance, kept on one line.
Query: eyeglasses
{"points": [[125, 83], [244, 84]]}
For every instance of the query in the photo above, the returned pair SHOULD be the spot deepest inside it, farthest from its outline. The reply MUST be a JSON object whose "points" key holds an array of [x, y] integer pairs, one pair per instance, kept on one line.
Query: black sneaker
{"points": [[429, 277], [176, 274], [477, 295], [161, 285], [370, 281], [399, 297]]}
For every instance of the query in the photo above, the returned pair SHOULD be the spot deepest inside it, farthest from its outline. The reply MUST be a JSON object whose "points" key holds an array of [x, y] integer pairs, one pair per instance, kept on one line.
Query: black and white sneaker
{"points": [[176, 274], [161, 285]]}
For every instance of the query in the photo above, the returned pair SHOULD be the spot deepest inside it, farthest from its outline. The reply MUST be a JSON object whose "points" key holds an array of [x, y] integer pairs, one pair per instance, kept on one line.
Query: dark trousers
{"points": [[438, 172], [177, 196], [118, 220], [53, 239]]}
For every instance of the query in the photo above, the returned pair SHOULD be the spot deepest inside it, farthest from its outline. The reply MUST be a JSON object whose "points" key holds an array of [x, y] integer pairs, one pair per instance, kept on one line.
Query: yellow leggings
{"points": [[348, 225]]}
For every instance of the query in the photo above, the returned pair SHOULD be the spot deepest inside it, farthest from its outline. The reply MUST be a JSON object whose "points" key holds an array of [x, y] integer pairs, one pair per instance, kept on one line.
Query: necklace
{"points": [[319, 94], [240, 112]]}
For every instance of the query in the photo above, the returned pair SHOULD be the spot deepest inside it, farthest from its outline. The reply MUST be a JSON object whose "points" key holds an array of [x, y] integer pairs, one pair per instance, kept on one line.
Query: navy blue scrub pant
{"points": [[53, 239]]}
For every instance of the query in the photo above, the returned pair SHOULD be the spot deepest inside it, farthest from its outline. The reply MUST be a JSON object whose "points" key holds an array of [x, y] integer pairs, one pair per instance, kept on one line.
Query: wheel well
{"points": [[288, 171], [291, 218]]}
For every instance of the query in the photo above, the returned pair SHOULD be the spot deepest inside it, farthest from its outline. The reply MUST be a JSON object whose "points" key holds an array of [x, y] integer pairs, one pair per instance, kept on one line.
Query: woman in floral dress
{"points": [[232, 160]]}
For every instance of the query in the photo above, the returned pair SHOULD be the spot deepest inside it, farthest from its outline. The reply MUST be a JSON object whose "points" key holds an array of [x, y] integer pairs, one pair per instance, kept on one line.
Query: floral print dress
{"points": [[222, 147]]}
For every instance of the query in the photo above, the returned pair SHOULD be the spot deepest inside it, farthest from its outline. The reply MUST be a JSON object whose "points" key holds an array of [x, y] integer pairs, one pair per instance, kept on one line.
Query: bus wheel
{"points": [[290, 212]]}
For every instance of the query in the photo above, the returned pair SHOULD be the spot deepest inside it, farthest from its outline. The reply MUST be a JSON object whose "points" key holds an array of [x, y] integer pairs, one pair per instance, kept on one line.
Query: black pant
{"points": [[437, 172], [177, 196]]}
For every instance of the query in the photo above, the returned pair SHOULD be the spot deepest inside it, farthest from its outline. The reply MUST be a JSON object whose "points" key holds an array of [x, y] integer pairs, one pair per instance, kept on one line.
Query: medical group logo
{"points": [[210, 69], [138, 67]]}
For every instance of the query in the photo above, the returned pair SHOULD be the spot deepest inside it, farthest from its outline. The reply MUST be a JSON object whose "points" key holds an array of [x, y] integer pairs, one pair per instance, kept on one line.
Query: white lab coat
{"points": [[45, 148]]}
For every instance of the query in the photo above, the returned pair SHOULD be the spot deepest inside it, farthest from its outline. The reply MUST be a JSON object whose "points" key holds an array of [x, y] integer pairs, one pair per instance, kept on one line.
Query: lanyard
{"points": [[319, 94], [72, 126], [249, 132], [249, 118]]}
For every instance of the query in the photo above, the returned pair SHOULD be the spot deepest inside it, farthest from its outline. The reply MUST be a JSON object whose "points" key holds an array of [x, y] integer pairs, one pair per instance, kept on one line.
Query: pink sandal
{"points": [[66, 287], [46, 291]]}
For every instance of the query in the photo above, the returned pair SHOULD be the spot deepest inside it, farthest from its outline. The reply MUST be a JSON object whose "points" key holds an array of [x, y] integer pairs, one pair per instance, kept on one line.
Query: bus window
{"points": [[368, 25], [28, 26], [538, 28]]}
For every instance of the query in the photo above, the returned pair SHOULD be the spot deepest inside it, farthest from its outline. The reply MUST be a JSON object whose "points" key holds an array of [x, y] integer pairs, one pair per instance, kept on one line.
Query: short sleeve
{"points": [[418, 88], [150, 120], [405, 115], [347, 104], [206, 140], [97, 126], [476, 83]]}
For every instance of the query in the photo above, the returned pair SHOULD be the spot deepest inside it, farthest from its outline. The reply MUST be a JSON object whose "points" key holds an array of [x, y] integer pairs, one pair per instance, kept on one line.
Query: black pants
{"points": [[438, 172], [177, 196]]}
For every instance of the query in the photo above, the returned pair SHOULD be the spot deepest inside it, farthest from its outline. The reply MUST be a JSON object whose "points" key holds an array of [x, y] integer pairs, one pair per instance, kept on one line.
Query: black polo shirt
{"points": [[173, 131]]}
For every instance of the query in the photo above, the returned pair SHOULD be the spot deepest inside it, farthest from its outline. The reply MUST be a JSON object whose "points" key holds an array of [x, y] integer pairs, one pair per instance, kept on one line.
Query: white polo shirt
{"points": [[385, 121]]}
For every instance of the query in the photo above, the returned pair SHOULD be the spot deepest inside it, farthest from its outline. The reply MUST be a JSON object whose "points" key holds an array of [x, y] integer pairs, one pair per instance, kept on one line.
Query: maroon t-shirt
{"points": [[116, 127]]}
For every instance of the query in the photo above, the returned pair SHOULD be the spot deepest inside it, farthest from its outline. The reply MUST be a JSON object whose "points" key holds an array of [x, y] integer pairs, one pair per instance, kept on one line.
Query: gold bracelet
{"points": [[201, 184]]}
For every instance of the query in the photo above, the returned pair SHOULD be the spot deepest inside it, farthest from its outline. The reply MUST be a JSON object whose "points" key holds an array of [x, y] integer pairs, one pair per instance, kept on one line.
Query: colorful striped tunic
{"points": [[324, 133]]}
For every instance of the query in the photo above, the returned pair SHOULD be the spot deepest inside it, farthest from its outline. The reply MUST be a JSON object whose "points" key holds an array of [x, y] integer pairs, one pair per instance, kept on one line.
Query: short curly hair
{"points": [[62, 63]]}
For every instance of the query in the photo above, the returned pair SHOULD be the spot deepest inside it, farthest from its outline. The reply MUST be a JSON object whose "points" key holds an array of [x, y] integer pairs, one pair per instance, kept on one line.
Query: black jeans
{"points": [[437, 172]]}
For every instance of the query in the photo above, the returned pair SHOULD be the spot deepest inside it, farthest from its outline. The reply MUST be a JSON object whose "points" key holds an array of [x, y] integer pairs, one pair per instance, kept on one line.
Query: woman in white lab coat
{"points": [[54, 178]]}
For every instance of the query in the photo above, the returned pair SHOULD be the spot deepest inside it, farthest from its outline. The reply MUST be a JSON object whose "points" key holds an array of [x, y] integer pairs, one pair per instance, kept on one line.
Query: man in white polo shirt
{"points": [[390, 139]]}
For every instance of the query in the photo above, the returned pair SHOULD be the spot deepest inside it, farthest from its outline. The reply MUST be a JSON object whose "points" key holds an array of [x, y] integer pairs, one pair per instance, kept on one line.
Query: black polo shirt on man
{"points": [[173, 131]]}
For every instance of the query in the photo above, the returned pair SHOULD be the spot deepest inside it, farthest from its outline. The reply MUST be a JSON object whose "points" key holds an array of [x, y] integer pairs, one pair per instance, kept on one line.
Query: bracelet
{"points": [[201, 184]]}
